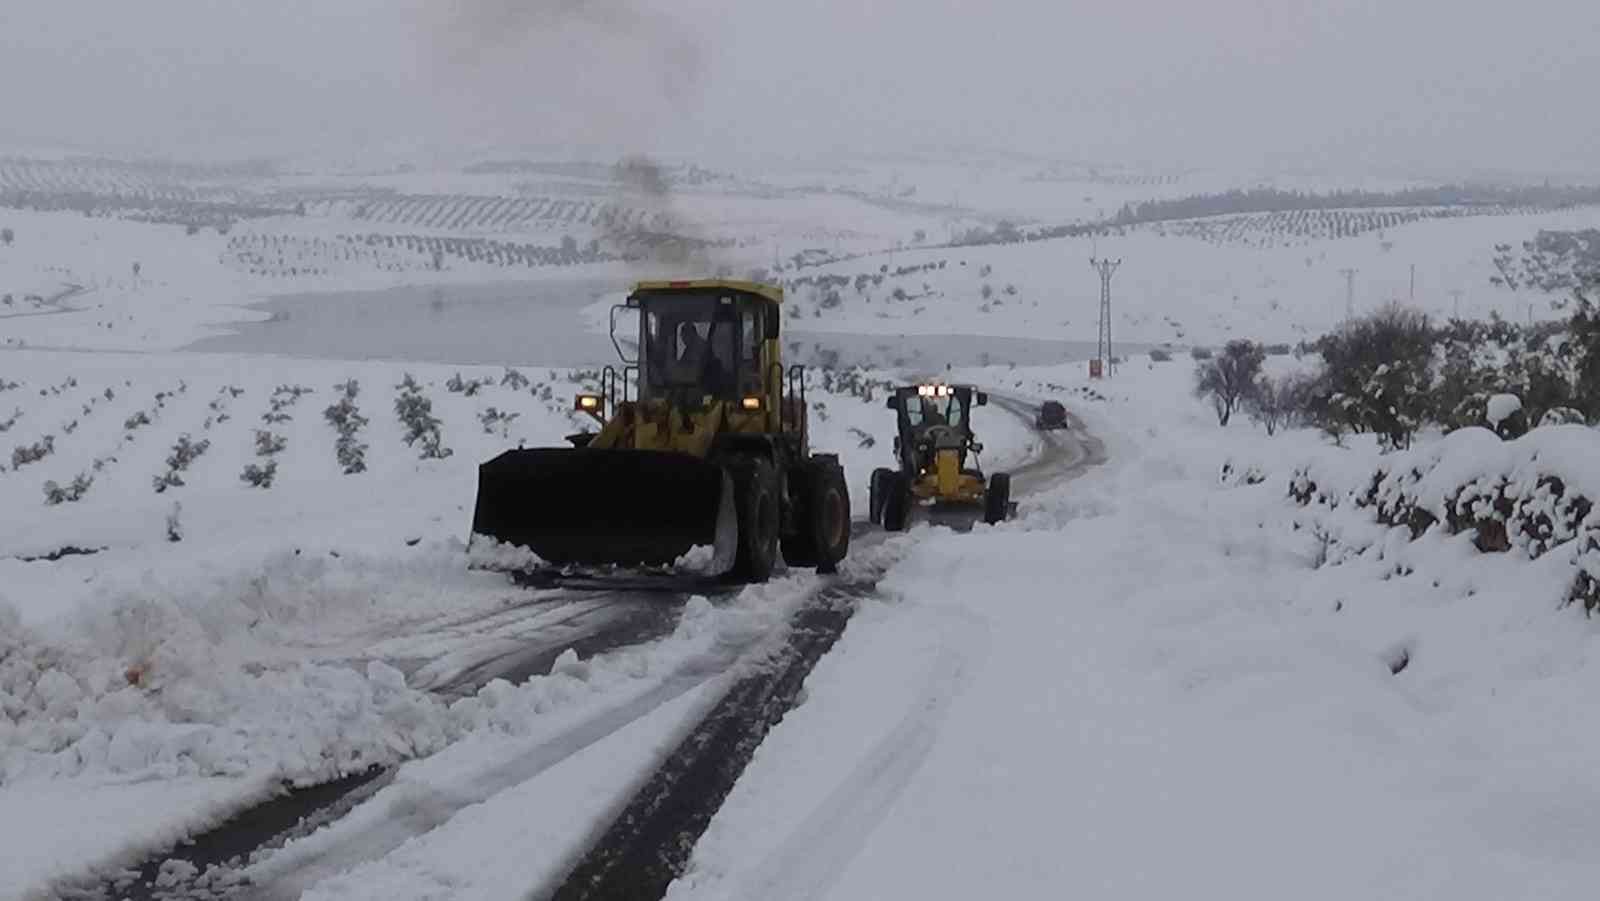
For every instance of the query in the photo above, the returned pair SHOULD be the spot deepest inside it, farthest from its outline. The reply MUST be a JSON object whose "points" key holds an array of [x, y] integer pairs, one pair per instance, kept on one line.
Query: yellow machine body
{"points": [[706, 392], [945, 483]]}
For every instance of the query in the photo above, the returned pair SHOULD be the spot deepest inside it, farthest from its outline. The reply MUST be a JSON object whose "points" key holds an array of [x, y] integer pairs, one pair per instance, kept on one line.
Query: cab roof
{"points": [[769, 292]]}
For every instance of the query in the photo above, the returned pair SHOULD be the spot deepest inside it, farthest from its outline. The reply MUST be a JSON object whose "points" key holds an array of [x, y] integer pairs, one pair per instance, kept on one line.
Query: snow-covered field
{"points": [[885, 225], [222, 572], [1187, 283]]}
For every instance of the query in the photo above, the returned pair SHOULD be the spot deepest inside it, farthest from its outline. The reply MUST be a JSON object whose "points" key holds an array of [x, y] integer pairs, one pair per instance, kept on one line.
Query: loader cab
{"points": [[705, 340]]}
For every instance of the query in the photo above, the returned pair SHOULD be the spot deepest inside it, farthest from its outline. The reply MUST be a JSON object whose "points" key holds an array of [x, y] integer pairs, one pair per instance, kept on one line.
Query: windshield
{"points": [[691, 342], [932, 411]]}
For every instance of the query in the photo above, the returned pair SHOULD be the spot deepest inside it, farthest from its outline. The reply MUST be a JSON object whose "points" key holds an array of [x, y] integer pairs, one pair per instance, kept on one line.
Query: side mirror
{"points": [[890, 404], [983, 399]]}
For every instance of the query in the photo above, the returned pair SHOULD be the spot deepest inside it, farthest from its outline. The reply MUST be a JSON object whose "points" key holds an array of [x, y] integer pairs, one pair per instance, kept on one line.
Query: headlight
{"points": [[589, 403], [752, 404]]}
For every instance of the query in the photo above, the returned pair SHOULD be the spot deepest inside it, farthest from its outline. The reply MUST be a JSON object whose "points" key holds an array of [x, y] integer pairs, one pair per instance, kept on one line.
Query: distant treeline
{"points": [[1273, 200]]}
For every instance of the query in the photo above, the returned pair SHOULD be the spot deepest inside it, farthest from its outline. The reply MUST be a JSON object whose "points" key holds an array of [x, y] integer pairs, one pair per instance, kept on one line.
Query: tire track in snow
{"points": [[423, 809], [811, 860], [648, 844]]}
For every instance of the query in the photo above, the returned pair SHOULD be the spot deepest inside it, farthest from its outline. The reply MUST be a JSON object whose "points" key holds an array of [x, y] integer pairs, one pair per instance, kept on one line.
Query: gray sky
{"points": [[1351, 84]]}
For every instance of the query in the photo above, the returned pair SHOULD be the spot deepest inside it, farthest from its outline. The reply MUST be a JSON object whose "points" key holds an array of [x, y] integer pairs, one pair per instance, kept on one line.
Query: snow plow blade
{"points": [[586, 507]]}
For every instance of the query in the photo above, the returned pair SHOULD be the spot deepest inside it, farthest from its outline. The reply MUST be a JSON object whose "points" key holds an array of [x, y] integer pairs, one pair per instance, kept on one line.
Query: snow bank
{"points": [[213, 673], [1535, 494]]}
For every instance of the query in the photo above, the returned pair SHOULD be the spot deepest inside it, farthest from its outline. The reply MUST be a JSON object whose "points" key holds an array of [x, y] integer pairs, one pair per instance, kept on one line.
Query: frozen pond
{"points": [[540, 323]]}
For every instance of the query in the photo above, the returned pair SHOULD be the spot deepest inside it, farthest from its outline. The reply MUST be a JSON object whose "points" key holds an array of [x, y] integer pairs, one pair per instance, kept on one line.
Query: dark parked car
{"points": [[1052, 415]]}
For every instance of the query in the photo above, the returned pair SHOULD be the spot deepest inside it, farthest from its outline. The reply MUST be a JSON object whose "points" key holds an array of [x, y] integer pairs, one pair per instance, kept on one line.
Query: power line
{"points": [[1106, 268]]}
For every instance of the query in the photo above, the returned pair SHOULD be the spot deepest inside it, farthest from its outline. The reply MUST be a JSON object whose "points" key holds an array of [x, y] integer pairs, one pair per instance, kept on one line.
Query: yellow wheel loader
{"points": [[700, 445], [938, 454]]}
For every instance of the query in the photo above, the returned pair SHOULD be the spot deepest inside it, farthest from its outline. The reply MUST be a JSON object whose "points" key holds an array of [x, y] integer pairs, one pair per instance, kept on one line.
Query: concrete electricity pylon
{"points": [[1106, 268]]}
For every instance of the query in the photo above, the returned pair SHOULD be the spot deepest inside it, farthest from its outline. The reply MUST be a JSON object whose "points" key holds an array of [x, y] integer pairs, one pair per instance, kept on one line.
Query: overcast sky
{"points": [[1351, 84]]}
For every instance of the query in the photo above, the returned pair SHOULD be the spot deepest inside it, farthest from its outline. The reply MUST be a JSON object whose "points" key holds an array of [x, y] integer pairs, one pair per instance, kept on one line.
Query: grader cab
{"points": [[701, 441]]}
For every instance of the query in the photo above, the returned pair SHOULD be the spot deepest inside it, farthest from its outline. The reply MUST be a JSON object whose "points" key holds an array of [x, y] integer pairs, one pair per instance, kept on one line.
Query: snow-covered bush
{"points": [[856, 382], [347, 420], [33, 453], [6, 424], [283, 397], [268, 444], [258, 475], [469, 387], [185, 452], [494, 419], [514, 380], [219, 406], [1531, 495], [9, 386], [72, 492], [415, 412], [1561, 416], [138, 419]]}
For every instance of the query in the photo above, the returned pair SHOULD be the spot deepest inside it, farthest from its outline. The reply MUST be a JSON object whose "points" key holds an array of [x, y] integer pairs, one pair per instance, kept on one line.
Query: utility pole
{"points": [[1106, 269], [1457, 295], [1349, 293], [1413, 282]]}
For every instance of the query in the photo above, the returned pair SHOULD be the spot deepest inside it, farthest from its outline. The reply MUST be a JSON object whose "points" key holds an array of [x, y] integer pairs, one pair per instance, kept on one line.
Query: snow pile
{"points": [[215, 673], [489, 553]]}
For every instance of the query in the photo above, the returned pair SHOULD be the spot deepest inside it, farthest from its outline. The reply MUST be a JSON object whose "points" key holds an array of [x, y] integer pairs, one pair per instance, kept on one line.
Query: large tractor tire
{"points": [[821, 516], [877, 493], [756, 503], [997, 500], [897, 503]]}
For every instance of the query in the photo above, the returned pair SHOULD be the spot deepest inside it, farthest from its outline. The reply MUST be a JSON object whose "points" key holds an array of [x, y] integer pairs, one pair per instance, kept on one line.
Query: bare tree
{"points": [[1276, 403], [1230, 377]]}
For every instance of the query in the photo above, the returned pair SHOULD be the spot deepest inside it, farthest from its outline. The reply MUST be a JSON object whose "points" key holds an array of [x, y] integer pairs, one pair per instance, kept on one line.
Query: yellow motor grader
{"points": [[938, 453], [701, 442]]}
